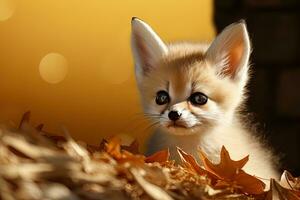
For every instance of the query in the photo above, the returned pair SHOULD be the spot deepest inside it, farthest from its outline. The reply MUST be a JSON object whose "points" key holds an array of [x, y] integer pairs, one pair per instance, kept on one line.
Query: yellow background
{"points": [[98, 96]]}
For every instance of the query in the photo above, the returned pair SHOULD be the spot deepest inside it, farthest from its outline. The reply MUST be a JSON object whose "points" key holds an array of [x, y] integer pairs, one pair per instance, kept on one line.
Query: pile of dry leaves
{"points": [[38, 165]]}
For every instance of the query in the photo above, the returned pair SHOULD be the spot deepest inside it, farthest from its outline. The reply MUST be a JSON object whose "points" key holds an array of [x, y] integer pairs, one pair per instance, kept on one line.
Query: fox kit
{"points": [[193, 93]]}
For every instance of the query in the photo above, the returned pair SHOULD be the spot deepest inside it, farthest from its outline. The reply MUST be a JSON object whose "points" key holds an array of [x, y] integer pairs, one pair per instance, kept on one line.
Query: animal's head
{"points": [[187, 87]]}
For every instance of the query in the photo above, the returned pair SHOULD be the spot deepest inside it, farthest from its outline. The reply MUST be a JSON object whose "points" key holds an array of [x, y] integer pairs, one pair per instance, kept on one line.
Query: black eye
{"points": [[162, 97], [198, 98]]}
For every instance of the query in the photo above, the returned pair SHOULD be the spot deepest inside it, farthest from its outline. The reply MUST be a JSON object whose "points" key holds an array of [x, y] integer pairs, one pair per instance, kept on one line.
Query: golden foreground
{"points": [[38, 165]]}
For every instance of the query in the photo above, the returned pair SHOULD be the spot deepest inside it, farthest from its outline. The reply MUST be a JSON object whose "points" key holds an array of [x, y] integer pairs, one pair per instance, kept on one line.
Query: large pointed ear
{"points": [[230, 52], [147, 47]]}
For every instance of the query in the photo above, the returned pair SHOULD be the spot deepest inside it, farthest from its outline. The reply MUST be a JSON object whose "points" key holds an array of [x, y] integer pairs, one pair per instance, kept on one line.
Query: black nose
{"points": [[174, 115]]}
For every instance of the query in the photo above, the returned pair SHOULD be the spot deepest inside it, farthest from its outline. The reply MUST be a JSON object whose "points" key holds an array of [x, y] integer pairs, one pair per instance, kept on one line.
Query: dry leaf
{"points": [[190, 162], [277, 192], [113, 147], [103, 144], [160, 157], [132, 148], [287, 180], [248, 183], [39, 127], [227, 168], [24, 121], [231, 173], [30, 167]]}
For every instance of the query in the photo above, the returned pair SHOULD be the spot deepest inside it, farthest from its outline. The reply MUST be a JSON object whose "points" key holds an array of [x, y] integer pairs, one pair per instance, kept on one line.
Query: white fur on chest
{"points": [[237, 141]]}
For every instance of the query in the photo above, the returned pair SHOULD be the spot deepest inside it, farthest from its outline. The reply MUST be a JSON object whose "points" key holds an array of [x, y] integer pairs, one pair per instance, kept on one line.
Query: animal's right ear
{"points": [[147, 47]]}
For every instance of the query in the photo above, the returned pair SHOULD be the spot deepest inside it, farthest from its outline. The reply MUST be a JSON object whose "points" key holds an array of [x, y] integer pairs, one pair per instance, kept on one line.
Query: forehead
{"points": [[183, 73], [188, 69]]}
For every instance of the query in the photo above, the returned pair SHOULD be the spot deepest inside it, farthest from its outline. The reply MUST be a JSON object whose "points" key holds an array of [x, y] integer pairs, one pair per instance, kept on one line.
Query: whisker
{"points": [[137, 120], [151, 126], [140, 118]]}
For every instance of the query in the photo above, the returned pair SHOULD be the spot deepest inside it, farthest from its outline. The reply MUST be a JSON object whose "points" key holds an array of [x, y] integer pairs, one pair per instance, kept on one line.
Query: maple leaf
{"points": [[160, 156], [190, 162], [231, 174], [227, 168]]}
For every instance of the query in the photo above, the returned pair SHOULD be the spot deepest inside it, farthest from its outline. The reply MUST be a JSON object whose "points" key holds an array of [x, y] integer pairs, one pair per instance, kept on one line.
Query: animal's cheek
{"points": [[151, 108]]}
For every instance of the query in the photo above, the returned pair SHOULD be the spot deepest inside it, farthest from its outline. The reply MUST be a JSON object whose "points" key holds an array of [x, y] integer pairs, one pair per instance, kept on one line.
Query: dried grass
{"points": [[35, 165]]}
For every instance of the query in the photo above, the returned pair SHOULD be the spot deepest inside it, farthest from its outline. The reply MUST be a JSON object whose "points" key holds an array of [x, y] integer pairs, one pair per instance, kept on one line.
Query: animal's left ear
{"points": [[230, 52]]}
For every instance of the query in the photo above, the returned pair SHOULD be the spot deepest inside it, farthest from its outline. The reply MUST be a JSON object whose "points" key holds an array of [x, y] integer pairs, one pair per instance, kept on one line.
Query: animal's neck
{"points": [[189, 143], [209, 140]]}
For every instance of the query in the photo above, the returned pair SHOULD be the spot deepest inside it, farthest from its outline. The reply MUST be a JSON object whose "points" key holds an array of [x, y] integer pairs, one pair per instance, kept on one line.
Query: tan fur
{"points": [[187, 68]]}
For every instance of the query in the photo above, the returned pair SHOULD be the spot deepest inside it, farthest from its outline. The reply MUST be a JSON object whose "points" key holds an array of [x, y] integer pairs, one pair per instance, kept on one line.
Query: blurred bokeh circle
{"points": [[53, 68]]}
